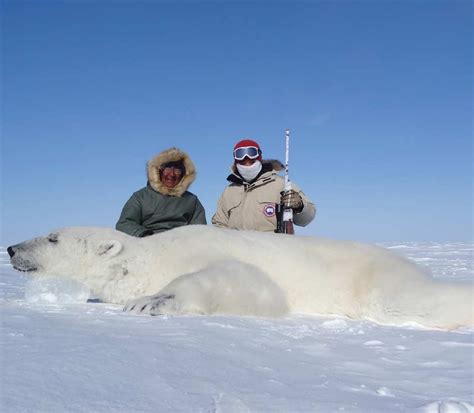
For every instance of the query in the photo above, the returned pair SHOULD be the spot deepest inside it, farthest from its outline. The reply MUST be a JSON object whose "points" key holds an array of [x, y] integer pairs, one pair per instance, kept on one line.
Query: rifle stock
{"points": [[283, 227]]}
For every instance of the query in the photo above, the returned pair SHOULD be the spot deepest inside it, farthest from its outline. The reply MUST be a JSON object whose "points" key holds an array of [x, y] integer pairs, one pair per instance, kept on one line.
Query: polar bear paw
{"points": [[151, 305]]}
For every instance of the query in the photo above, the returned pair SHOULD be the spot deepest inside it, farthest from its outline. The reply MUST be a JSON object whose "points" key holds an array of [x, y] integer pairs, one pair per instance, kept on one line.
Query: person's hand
{"points": [[292, 199], [146, 233]]}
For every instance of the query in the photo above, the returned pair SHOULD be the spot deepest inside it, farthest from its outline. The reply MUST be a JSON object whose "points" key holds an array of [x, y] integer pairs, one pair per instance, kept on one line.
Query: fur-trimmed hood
{"points": [[171, 155]]}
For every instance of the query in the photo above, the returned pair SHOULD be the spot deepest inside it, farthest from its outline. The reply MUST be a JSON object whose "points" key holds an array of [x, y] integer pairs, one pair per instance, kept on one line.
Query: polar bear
{"points": [[207, 270]]}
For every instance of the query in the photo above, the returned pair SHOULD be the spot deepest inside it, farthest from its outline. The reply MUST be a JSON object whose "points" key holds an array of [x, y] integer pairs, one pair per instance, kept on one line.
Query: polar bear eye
{"points": [[53, 238]]}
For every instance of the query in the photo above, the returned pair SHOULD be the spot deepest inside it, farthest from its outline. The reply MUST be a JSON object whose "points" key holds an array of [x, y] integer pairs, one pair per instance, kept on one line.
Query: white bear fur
{"points": [[207, 270]]}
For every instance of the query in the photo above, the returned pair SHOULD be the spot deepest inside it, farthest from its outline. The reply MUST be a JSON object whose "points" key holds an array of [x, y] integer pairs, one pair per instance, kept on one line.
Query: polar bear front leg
{"points": [[151, 305], [225, 287]]}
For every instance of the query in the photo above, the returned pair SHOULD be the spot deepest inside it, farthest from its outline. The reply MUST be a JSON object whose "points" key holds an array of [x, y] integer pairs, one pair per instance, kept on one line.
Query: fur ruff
{"points": [[171, 155]]}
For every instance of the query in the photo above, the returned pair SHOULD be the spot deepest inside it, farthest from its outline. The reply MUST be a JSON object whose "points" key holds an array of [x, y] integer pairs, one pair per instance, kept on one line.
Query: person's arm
{"points": [[307, 214], [221, 218], [130, 220], [199, 216]]}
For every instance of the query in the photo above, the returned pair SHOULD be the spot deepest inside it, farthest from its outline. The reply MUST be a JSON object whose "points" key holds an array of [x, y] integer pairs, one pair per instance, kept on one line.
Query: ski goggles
{"points": [[250, 151]]}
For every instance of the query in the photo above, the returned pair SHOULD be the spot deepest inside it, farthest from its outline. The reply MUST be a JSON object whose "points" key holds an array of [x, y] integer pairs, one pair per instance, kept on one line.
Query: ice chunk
{"points": [[56, 290]]}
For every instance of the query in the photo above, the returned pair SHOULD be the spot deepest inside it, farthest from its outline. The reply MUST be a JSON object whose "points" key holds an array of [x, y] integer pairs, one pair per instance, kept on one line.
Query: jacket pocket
{"points": [[232, 206]]}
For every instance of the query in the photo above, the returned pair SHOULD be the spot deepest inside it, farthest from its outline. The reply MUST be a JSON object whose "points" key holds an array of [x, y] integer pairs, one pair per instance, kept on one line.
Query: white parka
{"points": [[252, 206]]}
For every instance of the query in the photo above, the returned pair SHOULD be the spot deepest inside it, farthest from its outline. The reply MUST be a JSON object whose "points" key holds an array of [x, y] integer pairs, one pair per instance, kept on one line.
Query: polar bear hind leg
{"points": [[226, 287]]}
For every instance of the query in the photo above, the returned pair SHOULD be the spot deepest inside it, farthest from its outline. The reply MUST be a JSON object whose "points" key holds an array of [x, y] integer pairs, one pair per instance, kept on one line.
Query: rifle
{"points": [[285, 215]]}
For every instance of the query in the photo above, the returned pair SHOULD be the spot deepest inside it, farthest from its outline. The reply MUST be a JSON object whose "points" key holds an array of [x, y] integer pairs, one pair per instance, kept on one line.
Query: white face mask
{"points": [[249, 172]]}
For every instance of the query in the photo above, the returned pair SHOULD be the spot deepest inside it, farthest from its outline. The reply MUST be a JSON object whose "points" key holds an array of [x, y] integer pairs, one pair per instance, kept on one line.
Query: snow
{"points": [[61, 352]]}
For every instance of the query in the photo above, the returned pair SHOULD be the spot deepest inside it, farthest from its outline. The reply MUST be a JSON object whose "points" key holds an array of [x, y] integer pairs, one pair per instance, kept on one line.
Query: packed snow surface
{"points": [[61, 351]]}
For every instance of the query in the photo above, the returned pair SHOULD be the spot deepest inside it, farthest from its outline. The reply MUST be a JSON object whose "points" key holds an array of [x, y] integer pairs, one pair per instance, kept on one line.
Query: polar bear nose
{"points": [[11, 252]]}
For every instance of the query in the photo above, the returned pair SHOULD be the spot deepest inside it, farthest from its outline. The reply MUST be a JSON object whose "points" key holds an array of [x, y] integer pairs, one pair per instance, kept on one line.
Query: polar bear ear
{"points": [[109, 248]]}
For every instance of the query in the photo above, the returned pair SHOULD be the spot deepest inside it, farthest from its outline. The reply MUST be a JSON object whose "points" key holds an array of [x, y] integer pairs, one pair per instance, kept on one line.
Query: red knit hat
{"points": [[249, 143]]}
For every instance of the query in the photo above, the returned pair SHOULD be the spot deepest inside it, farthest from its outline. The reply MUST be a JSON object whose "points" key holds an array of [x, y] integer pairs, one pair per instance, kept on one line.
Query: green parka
{"points": [[158, 208]]}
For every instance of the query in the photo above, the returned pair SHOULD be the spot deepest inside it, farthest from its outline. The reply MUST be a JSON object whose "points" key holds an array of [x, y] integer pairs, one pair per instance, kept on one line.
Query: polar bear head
{"points": [[70, 252], [113, 265]]}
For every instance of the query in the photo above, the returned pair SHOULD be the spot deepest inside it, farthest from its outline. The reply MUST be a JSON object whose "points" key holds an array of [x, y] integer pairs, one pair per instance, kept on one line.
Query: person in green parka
{"points": [[165, 203]]}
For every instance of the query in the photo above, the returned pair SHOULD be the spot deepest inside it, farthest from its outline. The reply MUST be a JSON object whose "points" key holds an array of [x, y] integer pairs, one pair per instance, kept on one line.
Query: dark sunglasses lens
{"points": [[171, 169]]}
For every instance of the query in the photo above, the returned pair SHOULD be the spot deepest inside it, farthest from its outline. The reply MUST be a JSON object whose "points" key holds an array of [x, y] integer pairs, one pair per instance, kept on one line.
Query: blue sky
{"points": [[377, 95]]}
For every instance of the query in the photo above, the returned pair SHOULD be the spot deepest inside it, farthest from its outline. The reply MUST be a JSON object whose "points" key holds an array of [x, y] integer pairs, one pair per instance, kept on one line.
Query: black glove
{"points": [[146, 233], [292, 199]]}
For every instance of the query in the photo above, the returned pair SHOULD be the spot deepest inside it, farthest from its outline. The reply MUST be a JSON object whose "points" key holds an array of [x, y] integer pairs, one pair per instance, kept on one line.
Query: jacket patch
{"points": [[269, 210]]}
